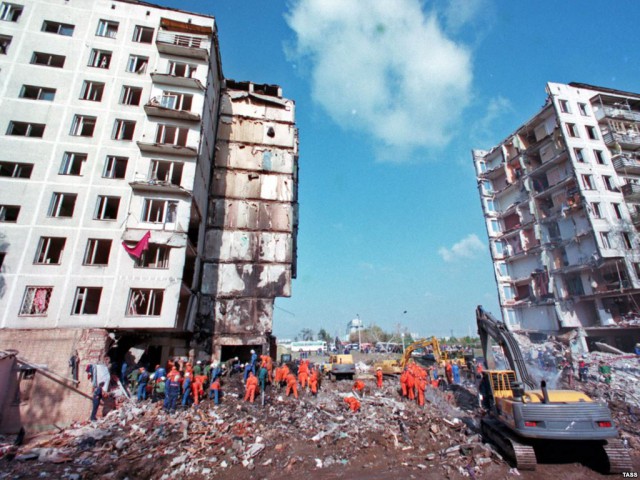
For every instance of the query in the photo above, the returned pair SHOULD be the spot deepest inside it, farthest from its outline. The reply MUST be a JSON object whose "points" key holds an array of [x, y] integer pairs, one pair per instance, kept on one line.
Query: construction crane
{"points": [[522, 416]]}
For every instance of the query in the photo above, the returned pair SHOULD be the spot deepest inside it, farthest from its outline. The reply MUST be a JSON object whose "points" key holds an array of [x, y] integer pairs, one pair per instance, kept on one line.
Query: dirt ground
{"points": [[314, 436]]}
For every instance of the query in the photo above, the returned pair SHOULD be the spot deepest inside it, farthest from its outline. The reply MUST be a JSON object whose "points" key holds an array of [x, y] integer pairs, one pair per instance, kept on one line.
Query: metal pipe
{"points": [[545, 393]]}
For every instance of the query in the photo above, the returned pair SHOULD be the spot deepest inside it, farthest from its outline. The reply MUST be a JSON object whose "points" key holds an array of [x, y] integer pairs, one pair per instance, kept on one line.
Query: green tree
{"points": [[324, 336], [306, 334]]}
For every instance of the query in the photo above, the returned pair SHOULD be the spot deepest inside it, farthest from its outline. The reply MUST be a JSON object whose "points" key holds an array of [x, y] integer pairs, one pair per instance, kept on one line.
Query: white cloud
{"points": [[460, 13], [468, 247], [383, 68], [485, 131]]}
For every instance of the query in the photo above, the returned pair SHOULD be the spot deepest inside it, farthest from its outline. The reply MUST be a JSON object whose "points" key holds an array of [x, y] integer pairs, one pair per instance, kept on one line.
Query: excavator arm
{"points": [[433, 343]]}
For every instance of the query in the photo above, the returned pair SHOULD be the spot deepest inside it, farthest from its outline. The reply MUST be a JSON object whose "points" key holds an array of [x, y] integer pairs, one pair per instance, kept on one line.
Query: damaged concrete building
{"points": [[561, 201], [116, 232]]}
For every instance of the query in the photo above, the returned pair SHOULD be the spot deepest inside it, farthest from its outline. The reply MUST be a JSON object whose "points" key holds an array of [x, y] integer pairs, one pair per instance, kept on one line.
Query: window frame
{"points": [[43, 251], [156, 257], [111, 166], [104, 205], [123, 130], [32, 129], [57, 204], [150, 210], [5, 43], [41, 93], [151, 302], [564, 106], [81, 298], [78, 125], [92, 251], [99, 58], [572, 130], [14, 169], [92, 89], [48, 293], [600, 157], [592, 132], [597, 211], [52, 60], [60, 30], [139, 32], [129, 94], [12, 210], [582, 108], [15, 13], [137, 64], [588, 182], [71, 159], [605, 239], [103, 30]]}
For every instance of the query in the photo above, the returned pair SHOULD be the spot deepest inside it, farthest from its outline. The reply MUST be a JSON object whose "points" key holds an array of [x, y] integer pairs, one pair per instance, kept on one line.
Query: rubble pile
{"points": [[282, 438]]}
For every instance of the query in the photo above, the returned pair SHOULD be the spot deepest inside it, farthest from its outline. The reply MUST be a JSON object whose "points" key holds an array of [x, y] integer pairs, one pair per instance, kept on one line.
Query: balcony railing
{"points": [[158, 107], [618, 113], [626, 163], [631, 142], [630, 190], [183, 45]]}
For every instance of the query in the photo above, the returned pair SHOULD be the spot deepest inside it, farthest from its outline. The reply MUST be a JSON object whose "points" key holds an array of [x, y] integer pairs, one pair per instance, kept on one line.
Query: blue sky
{"points": [[391, 97]]}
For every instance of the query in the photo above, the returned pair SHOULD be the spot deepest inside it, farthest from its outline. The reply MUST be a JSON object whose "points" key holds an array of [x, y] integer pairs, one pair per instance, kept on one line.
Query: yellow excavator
{"points": [[523, 416], [395, 367]]}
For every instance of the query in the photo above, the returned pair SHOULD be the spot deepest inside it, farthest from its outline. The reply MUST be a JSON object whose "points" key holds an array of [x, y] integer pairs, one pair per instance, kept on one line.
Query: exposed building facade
{"points": [[561, 199], [109, 118]]}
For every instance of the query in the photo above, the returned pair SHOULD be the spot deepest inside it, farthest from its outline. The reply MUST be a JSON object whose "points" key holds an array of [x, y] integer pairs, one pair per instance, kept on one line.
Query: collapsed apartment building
{"points": [[561, 200], [148, 205]]}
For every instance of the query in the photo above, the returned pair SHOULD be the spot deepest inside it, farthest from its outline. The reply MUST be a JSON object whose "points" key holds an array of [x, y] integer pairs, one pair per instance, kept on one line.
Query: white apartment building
{"points": [[108, 117], [561, 200]]}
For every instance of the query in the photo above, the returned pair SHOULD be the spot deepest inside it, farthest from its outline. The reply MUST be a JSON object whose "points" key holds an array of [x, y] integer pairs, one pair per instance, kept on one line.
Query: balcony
{"points": [[635, 218], [624, 140], [183, 45], [168, 149], [626, 164], [622, 112], [155, 108], [631, 191], [157, 186], [176, 81]]}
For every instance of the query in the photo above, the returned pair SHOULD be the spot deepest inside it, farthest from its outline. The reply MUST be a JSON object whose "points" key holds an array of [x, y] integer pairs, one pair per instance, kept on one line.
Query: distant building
{"points": [[561, 200]]}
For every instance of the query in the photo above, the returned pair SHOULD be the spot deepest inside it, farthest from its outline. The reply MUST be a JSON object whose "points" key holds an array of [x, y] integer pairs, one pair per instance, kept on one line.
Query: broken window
{"points": [[15, 169], [626, 240], [97, 252], [172, 135], [37, 93], [156, 256], [587, 182], [131, 95], [609, 183], [600, 158], [48, 59], [167, 172], [25, 129], [92, 91], [49, 250], [9, 213], [145, 302], [592, 132], [5, 41], [115, 167], [159, 211], [83, 126], [617, 211], [36, 301], [107, 28], [572, 130], [58, 28], [72, 163], [582, 107], [176, 101], [605, 239], [564, 106], [137, 64], [62, 205], [574, 285], [107, 208], [10, 12], [142, 34], [86, 301], [579, 154], [100, 58], [180, 69], [123, 129], [595, 208]]}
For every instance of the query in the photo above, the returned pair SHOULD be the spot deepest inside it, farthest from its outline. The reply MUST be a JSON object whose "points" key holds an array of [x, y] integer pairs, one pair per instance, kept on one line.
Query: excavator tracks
{"points": [[618, 455], [520, 455]]}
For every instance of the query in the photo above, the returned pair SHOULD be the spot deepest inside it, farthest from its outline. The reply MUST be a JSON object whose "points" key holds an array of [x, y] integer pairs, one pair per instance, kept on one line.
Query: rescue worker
{"points": [[353, 403], [605, 371], [247, 368], [214, 390], [358, 387], [292, 385], [284, 374], [251, 387], [228, 366], [313, 381], [583, 369], [411, 385], [379, 377], [403, 382], [263, 376], [421, 386], [143, 379], [186, 389], [448, 371], [173, 392], [196, 389], [253, 361], [98, 394], [197, 370], [303, 373], [455, 369]]}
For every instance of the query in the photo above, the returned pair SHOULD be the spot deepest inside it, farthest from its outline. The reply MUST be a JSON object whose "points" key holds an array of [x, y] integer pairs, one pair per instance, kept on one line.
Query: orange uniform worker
{"points": [[313, 381], [379, 377], [292, 384], [196, 389], [251, 387], [214, 391], [358, 386], [421, 386], [411, 385], [403, 382], [353, 403]]}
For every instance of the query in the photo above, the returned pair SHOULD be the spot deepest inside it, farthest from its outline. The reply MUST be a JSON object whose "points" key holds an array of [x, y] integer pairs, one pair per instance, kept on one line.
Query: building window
{"points": [[115, 167], [107, 208], [145, 302], [107, 28], [49, 251], [9, 213], [47, 59], [100, 58], [495, 226], [176, 101], [83, 126], [587, 181], [595, 208], [137, 64], [605, 239], [62, 205], [72, 163], [574, 285], [16, 170], [58, 28], [167, 172], [582, 107], [617, 211], [86, 301], [609, 184], [180, 69], [600, 158], [156, 256], [142, 34], [579, 154], [172, 135], [491, 205], [10, 12], [92, 91], [564, 106], [2, 257], [572, 130], [131, 95], [36, 301], [487, 187], [37, 93], [592, 132], [159, 211], [123, 129], [5, 41], [97, 252], [25, 129], [626, 240]]}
